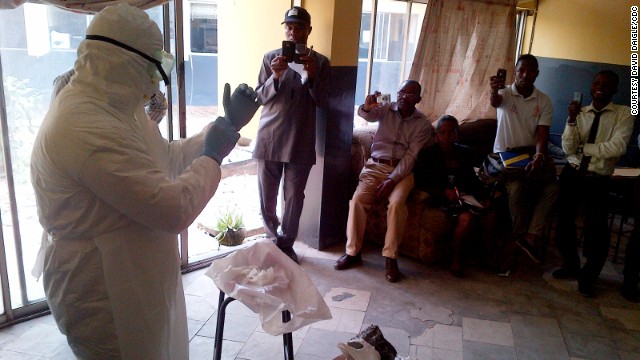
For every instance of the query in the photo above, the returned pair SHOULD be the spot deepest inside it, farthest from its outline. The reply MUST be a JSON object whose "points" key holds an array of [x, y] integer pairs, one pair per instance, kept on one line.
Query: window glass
{"points": [[204, 28], [390, 46]]}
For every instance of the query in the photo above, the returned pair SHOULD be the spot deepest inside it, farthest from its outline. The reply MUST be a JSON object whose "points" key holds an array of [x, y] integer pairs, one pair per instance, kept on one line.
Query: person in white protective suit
{"points": [[113, 195]]}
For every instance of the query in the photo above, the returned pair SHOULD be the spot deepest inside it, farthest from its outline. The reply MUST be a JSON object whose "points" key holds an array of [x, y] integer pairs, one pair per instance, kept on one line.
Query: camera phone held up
{"points": [[293, 52]]}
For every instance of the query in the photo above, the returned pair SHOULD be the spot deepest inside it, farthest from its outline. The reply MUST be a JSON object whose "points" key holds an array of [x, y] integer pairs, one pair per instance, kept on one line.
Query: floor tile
{"points": [[447, 337], [203, 347], [64, 353], [204, 287], [199, 308], [323, 343], [40, 340], [429, 353], [12, 355], [262, 346], [6, 337], [444, 337], [309, 357], [583, 324], [485, 331], [541, 349], [236, 327], [627, 341], [535, 327], [317, 254], [438, 314], [482, 351], [343, 320], [194, 327], [349, 299], [629, 356], [629, 318], [591, 347]]}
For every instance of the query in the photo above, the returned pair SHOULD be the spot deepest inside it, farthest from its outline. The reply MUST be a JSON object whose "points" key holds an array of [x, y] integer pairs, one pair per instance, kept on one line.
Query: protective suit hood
{"points": [[118, 76]]}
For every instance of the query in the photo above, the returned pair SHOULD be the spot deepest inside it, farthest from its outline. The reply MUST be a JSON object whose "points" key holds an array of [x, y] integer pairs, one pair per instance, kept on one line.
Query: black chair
{"points": [[223, 301]]}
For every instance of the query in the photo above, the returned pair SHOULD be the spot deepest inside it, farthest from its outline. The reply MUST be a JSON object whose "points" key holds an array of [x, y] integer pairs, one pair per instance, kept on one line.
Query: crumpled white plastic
{"points": [[268, 282]]}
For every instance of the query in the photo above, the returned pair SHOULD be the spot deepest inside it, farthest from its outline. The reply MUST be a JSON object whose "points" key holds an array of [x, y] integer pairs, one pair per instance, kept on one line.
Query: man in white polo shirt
{"points": [[524, 119]]}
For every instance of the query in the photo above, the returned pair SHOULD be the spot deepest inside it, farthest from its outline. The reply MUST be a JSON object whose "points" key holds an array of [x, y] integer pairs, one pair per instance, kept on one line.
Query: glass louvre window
{"points": [[204, 28]]}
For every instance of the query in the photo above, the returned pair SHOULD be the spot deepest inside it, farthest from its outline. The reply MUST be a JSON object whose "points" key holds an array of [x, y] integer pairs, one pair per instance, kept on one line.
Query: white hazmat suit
{"points": [[112, 196]]}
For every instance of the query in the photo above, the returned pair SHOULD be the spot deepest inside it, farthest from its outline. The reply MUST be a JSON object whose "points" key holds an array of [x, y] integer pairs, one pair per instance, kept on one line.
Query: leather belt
{"points": [[390, 162]]}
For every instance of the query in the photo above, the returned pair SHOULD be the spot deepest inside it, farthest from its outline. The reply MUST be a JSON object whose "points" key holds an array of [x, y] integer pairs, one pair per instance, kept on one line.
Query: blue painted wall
{"points": [[560, 78]]}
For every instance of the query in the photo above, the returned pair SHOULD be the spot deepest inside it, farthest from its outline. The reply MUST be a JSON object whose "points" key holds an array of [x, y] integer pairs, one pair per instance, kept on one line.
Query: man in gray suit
{"points": [[290, 91]]}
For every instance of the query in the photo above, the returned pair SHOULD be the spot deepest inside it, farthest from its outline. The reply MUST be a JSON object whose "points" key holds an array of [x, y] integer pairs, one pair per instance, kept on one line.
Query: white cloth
{"points": [[614, 132], [111, 215], [518, 118]]}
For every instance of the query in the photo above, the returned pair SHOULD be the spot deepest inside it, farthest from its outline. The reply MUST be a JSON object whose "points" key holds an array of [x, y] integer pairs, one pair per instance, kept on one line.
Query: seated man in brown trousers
{"points": [[402, 131]]}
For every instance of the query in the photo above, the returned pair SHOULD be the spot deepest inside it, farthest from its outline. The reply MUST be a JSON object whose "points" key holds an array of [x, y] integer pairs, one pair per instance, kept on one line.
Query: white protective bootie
{"points": [[359, 349]]}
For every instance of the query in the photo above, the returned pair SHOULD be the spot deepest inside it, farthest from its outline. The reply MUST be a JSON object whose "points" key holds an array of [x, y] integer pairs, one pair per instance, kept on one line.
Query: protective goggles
{"points": [[163, 67]]}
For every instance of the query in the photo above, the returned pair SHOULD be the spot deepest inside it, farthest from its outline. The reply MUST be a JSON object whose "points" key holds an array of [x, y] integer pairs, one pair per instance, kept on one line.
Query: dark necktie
{"points": [[584, 164]]}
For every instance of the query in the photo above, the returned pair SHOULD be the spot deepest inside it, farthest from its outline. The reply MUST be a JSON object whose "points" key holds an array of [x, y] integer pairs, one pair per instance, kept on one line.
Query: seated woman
{"points": [[444, 171]]}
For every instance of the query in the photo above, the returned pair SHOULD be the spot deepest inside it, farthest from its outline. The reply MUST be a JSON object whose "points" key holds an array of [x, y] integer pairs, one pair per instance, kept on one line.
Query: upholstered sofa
{"points": [[427, 228]]}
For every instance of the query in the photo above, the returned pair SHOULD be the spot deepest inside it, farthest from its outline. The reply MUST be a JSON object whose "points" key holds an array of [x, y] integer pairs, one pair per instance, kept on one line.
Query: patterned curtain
{"points": [[462, 44], [84, 6]]}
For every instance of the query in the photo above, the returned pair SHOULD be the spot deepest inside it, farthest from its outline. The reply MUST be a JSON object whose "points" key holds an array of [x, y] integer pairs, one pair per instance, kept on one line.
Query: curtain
{"points": [[84, 6], [462, 44]]}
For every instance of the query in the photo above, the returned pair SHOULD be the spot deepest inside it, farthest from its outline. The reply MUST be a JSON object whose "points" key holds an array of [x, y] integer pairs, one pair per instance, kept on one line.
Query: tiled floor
{"points": [[428, 315]]}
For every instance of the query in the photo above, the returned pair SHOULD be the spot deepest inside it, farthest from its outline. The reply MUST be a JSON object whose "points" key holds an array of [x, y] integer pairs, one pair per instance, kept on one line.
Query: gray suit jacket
{"points": [[287, 131]]}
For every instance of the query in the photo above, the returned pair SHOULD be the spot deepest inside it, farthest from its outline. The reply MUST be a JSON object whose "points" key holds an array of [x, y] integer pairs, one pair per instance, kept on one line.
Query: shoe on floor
{"points": [[291, 253], [630, 293], [585, 289], [392, 273], [456, 269], [525, 246], [566, 273], [347, 261]]}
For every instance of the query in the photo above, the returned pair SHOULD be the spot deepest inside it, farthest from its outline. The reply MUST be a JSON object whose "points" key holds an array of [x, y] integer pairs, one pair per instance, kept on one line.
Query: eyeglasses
{"points": [[408, 96], [163, 66]]}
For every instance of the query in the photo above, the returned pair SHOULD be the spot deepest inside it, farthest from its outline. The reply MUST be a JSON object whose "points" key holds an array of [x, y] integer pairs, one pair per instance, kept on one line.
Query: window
{"points": [[204, 28], [395, 37]]}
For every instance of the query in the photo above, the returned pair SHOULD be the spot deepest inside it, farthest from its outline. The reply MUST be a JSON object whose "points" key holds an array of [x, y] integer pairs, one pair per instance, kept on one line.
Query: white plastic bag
{"points": [[268, 282]]}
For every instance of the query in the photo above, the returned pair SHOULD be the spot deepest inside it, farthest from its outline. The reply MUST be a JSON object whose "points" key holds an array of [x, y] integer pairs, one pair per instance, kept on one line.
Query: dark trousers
{"points": [[632, 254], [589, 192], [270, 173]]}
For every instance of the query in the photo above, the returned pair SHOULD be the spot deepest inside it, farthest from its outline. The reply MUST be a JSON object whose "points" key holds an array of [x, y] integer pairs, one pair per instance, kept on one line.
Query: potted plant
{"points": [[230, 227]]}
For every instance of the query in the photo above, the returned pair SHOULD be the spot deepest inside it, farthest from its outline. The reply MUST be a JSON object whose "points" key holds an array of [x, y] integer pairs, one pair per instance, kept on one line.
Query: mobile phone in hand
{"points": [[289, 50], [502, 75], [577, 97]]}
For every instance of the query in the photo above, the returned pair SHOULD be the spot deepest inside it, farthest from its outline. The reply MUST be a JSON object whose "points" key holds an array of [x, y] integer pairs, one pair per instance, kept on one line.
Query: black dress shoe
{"points": [[392, 272], [630, 293], [586, 289], [566, 273], [346, 261], [291, 254]]}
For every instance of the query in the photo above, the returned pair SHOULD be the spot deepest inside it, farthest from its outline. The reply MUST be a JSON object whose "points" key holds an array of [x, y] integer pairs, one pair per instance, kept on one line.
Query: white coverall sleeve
{"points": [[121, 173]]}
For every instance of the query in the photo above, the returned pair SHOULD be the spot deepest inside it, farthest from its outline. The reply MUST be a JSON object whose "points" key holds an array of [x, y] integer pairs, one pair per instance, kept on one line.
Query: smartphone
{"points": [[502, 74], [293, 52], [289, 50], [301, 50], [577, 97]]}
